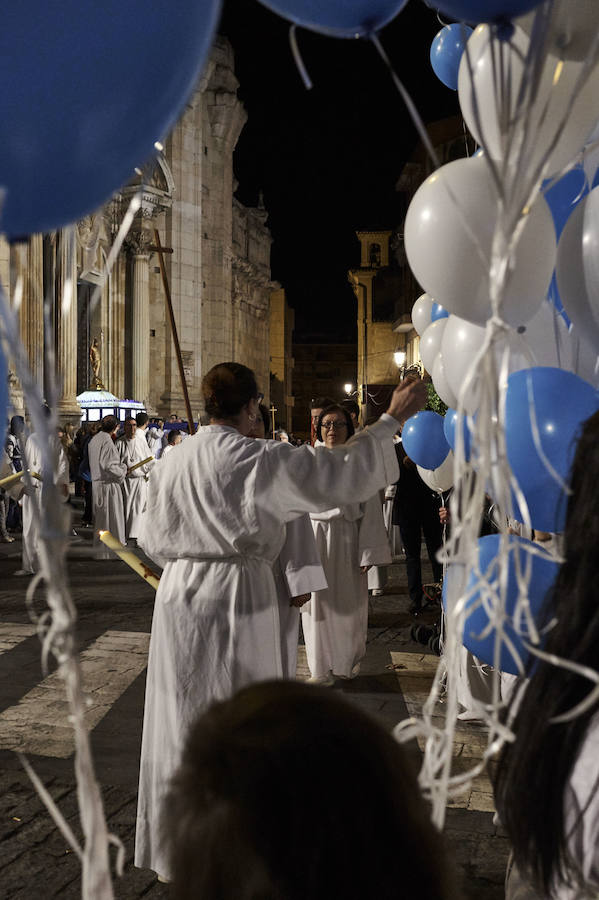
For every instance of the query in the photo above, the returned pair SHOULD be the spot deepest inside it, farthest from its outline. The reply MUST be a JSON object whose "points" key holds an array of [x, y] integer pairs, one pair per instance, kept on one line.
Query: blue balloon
{"points": [[562, 198], [88, 88], [438, 312], [564, 195], [450, 424], [338, 18], [543, 574], [424, 441], [562, 403], [446, 53], [554, 298], [476, 11]]}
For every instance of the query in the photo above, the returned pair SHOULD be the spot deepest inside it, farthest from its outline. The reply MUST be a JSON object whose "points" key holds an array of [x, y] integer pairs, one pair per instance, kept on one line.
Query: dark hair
{"points": [[264, 412], [334, 408], [172, 435], [141, 418], [352, 407], [287, 792], [533, 772], [321, 402], [17, 426], [227, 388], [109, 423]]}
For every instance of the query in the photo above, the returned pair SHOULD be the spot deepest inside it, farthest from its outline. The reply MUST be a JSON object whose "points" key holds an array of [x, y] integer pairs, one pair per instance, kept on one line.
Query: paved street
{"points": [[115, 612]]}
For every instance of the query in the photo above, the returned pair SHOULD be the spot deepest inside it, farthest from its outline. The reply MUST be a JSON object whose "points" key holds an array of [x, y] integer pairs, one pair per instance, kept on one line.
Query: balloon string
{"points": [[126, 224], [297, 57], [410, 106]]}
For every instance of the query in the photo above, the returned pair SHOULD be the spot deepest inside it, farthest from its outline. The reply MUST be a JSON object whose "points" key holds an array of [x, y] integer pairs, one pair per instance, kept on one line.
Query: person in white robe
{"points": [[108, 474], [214, 520], [298, 571], [173, 440], [350, 538], [133, 448], [154, 438], [31, 501]]}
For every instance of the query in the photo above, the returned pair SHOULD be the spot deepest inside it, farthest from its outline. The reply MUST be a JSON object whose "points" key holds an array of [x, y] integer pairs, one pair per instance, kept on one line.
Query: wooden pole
{"points": [[273, 410], [169, 305]]}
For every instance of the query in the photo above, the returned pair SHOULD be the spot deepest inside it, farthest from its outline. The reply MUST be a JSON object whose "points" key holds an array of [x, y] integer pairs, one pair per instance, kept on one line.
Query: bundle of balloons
{"points": [[539, 138]]}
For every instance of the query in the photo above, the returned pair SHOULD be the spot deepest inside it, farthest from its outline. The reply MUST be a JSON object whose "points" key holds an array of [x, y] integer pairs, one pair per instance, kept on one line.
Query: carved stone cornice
{"points": [[137, 243], [255, 276], [227, 118]]}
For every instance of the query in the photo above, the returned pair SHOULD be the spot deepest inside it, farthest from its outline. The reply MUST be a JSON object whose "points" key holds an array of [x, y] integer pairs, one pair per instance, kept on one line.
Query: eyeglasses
{"points": [[336, 426]]}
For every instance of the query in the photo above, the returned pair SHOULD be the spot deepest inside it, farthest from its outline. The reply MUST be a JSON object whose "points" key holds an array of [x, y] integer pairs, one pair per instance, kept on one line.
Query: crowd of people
{"points": [[253, 534], [135, 438]]}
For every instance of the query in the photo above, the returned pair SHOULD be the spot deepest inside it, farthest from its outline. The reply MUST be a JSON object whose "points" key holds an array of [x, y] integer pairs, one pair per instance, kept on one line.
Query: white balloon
{"points": [[584, 360], [544, 341], [573, 25], [590, 159], [577, 269], [545, 337], [441, 384], [461, 342], [441, 249], [421, 313], [440, 479], [542, 122], [430, 343]]}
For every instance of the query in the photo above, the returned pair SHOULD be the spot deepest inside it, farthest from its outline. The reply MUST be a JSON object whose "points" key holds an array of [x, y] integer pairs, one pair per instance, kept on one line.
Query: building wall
{"points": [[217, 262], [377, 341], [320, 370], [281, 359], [251, 292]]}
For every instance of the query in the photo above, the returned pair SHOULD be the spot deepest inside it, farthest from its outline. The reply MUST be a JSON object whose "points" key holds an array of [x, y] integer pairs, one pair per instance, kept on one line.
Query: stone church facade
{"points": [[217, 263]]}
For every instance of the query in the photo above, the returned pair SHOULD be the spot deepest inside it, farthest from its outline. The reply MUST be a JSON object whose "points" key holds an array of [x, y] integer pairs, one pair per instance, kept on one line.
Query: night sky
{"points": [[327, 160]]}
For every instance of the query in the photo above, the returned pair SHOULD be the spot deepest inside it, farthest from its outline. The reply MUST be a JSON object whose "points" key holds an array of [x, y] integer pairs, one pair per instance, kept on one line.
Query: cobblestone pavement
{"points": [[115, 612]]}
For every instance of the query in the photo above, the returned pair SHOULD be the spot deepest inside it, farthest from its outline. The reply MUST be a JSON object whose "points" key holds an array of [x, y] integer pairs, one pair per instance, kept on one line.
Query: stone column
{"points": [[140, 315], [27, 268], [66, 338]]}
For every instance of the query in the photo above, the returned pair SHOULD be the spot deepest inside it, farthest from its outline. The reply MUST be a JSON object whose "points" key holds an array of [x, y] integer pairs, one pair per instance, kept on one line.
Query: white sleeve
{"points": [[312, 479], [373, 541], [111, 468], [299, 560]]}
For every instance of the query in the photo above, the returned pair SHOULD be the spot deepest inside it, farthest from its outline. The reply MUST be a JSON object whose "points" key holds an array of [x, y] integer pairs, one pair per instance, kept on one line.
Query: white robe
{"points": [[108, 474], [154, 438], [135, 485], [214, 520], [335, 621], [297, 571], [32, 499]]}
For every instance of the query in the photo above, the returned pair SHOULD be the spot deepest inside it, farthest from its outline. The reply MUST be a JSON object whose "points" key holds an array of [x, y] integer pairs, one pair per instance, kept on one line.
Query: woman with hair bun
{"points": [[214, 521]]}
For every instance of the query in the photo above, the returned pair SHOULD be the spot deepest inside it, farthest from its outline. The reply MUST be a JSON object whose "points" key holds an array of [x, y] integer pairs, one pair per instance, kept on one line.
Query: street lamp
{"points": [[349, 388], [399, 357]]}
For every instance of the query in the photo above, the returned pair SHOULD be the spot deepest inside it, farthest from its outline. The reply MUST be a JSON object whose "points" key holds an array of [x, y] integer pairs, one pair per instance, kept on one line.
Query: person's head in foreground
{"points": [[174, 437], [109, 424], [231, 396], [554, 840], [334, 426], [288, 792]]}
